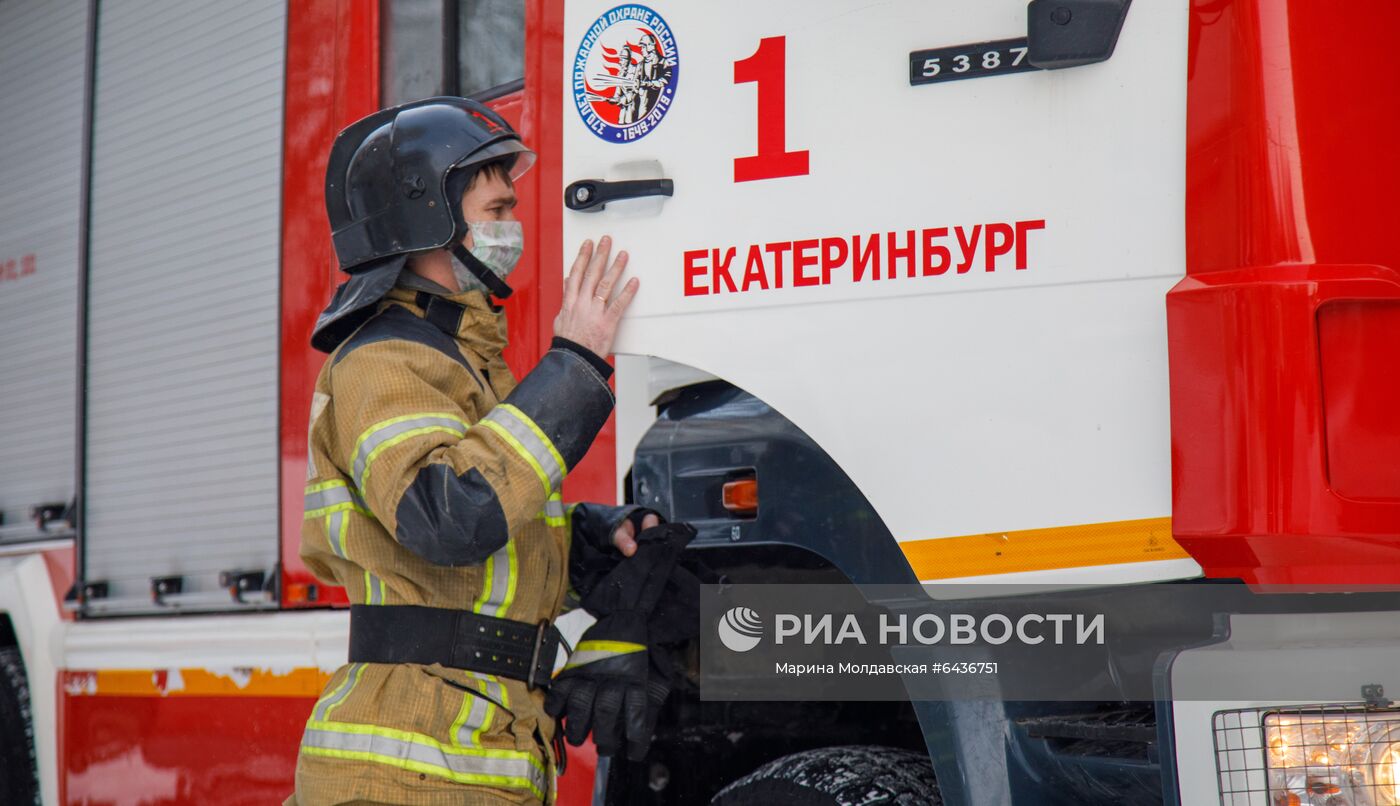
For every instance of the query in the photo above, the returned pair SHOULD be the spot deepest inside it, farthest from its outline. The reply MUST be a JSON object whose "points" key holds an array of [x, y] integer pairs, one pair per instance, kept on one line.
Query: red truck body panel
{"points": [[1283, 336]]}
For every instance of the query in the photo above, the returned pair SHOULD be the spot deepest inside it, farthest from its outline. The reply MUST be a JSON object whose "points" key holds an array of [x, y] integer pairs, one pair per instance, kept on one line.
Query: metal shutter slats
{"points": [[42, 56], [183, 297]]}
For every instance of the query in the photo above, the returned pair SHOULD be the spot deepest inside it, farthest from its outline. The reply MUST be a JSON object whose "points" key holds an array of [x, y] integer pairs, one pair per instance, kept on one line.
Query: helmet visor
{"points": [[523, 158]]}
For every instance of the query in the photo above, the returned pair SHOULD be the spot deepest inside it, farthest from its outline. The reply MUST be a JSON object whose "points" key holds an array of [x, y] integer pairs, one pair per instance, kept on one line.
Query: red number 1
{"points": [[768, 68]]}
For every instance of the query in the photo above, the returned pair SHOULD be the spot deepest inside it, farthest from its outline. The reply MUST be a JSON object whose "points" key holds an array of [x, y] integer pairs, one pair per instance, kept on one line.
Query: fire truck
{"points": [[1067, 292]]}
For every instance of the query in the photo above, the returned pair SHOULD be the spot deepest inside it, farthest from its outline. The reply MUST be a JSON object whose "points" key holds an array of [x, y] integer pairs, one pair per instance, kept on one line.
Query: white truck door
{"points": [[947, 267]]}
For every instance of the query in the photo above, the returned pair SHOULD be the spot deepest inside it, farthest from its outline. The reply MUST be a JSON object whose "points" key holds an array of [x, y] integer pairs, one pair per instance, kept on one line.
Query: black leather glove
{"points": [[676, 618], [604, 688], [591, 553], [675, 621]]}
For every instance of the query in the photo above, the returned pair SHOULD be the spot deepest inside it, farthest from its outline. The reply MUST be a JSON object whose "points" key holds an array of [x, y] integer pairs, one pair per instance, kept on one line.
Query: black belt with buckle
{"points": [[456, 638]]}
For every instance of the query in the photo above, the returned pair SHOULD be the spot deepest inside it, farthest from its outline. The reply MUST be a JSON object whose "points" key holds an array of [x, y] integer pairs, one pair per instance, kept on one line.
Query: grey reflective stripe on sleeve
{"points": [[391, 432], [540, 452], [330, 496], [554, 512], [508, 768]]}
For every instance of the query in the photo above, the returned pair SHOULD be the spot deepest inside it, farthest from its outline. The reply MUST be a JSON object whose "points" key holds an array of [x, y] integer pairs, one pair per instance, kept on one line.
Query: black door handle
{"points": [[1070, 33], [592, 195]]}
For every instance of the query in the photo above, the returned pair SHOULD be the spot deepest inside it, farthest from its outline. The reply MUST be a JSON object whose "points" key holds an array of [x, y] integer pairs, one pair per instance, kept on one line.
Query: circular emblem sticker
{"points": [[625, 73]]}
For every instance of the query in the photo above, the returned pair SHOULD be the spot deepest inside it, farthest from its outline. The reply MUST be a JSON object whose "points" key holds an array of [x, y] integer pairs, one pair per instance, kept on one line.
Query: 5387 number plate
{"points": [[969, 61]]}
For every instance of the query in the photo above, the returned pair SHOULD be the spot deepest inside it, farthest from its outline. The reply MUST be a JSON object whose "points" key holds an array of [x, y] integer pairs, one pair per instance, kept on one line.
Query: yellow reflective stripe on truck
{"points": [[301, 682], [1055, 548]]}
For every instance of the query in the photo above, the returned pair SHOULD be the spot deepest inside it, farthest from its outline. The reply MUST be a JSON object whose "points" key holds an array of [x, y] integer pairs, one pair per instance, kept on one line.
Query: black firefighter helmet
{"points": [[388, 194]]}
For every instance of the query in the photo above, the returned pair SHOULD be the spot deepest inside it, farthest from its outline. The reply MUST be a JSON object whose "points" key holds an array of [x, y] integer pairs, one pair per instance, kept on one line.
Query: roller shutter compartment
{"points": [[183, 302], [43, 47]]}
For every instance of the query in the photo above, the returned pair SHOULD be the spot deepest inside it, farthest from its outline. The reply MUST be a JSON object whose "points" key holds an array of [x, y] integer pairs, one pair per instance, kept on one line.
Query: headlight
{"points": [[1388, 773], [1345, 757], [1321, 755]]}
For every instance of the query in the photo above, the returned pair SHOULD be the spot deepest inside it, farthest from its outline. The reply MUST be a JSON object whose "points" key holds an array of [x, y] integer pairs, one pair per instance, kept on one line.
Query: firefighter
{"points": [[653, 74], [626, 97], [433, 481]]}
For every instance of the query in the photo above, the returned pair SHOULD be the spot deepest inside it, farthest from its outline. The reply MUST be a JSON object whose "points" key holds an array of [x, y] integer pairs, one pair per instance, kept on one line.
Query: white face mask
{"points": [[498, 244]]}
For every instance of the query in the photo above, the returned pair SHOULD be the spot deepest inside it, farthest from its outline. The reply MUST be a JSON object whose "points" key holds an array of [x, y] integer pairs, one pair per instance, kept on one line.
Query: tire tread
{"points": [[19, 773], [854, 775]]}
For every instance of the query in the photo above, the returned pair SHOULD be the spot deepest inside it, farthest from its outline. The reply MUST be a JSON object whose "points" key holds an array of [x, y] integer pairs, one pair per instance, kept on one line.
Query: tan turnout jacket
{"points": [[433, 479]]}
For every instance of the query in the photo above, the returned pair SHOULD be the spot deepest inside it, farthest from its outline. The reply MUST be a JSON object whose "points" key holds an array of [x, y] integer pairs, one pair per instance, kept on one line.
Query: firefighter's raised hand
{"points": [[590, 312]]}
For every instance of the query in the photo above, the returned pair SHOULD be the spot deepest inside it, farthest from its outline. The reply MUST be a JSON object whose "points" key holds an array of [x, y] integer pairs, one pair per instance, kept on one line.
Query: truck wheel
{"points": [[19, 778], [838, 776]]}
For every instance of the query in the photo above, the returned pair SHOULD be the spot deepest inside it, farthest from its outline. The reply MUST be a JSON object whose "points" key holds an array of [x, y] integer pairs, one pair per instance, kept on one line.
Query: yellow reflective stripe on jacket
{"points": [[478, 709], [521, 433], [337, 529], [540, 437], [591, 651], [384, 435], [374, 589], [329, 497], [328, 703], [334, 499], [505, 434], [423, 754], [498, 581], [554, 513]]}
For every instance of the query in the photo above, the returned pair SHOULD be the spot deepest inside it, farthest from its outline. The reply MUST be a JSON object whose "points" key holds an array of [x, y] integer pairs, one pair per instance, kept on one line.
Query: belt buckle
{"points": [[535, 654]]}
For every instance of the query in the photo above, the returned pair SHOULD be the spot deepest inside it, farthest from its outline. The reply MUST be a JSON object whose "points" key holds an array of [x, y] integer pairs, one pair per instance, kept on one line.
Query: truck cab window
{"points": [[490, 46], [450, 47], [411, 55]]}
